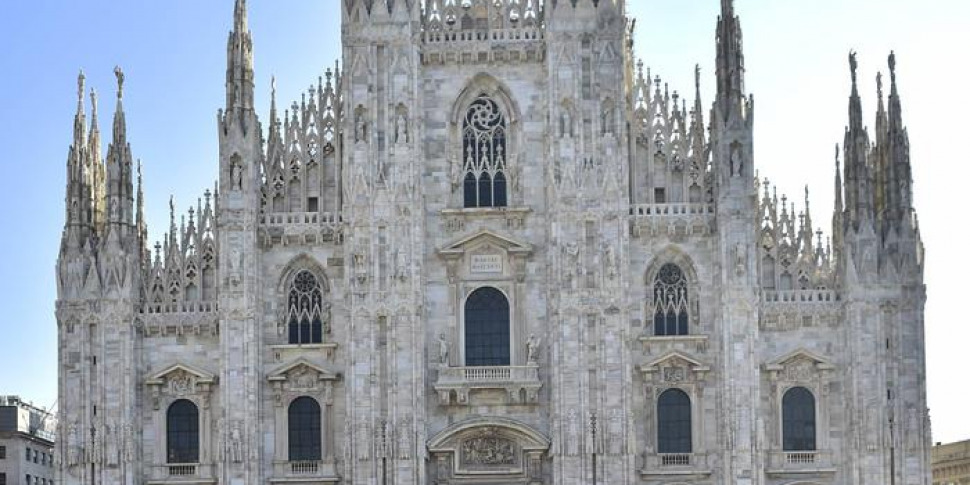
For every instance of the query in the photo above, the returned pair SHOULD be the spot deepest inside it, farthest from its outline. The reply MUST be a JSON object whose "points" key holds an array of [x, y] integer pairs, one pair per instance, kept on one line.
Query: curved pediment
{"points": [[452, 437]]}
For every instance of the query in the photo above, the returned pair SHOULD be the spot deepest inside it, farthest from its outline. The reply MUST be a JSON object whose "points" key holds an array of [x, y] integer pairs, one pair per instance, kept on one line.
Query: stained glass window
{"points": [[305, 310], [484, 136], [670, 301]]}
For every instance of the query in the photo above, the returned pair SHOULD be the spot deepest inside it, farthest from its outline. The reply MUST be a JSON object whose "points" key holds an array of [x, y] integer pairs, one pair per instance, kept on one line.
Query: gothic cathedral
{"points": [[490, 249]]}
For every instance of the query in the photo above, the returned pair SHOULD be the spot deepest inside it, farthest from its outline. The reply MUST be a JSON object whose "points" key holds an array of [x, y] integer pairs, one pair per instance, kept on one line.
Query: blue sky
{"points": [[173, 54]]}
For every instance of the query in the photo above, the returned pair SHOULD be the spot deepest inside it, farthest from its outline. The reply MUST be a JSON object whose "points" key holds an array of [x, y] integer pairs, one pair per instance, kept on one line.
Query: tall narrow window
{"points": [[674, 422], [798, 420], [182, 432], [305, 309], [670, 301], [304, 429], [484, 133], [487, 338]]}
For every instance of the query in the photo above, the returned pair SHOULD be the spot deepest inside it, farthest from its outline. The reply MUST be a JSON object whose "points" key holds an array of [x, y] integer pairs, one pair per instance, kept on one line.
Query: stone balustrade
{"points": [[520, 383]]}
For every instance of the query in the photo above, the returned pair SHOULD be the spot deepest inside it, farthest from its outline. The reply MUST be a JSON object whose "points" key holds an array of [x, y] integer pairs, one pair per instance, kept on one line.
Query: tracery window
{"points": [[674, 422], [487, 335], [182, 432], [670, 301], [305, 312], [484, 138], [798, 420], [304, 429]]}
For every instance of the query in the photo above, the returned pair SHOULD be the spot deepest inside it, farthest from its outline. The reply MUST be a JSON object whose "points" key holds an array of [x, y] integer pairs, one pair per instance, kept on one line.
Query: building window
{"points": [[487, 335], [484, 151], [674, 422], [183, 432], [304, 429], [798, 420], [305, 309], [670, 301], [3, 452], [3, 479]]}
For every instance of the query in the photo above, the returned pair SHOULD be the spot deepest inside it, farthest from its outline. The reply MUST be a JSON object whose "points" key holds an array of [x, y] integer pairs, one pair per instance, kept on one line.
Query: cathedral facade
{"points": [[491, 249]]}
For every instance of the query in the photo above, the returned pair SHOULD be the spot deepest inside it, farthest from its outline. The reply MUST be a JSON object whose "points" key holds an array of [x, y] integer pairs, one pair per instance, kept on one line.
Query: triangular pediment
{"points": [[179, 369], [458, 247], [676, 359], [797, 356], [301, 366]]}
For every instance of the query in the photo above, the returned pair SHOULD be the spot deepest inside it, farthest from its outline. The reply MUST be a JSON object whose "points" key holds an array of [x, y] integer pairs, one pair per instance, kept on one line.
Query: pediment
{"points": [[800, 365], [181, 371], [797, 356], [485, 237], [452, 437], [676, 367], [302, 370]]}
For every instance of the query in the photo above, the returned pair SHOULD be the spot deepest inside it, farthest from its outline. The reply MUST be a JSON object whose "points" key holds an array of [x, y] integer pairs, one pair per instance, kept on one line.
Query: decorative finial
{"points": [[879, 84], [120, 76], [272, 84], [853, 65], [80, 85], [892, 66], [94, 104]]}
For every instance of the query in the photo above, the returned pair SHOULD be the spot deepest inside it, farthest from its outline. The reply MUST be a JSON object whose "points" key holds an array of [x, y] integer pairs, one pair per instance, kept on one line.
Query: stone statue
{"points": [[572, 434], [360, 127], [73, 445], [401, 128], [567, 124], [737, 165], [401, 264], [612, 268], [111, 445], [615, 427], [443, 349], [235, 444], [532, 349], [235, 175], [128, 444]]}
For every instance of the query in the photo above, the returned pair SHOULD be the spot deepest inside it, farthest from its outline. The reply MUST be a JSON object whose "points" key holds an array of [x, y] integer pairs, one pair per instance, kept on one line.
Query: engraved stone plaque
{"points": [[486, 263]]}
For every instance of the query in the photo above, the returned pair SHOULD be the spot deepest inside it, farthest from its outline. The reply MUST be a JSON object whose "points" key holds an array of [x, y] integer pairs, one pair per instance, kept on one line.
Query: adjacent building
{"points": [[493, 248], [26, 443], [951, 463]]}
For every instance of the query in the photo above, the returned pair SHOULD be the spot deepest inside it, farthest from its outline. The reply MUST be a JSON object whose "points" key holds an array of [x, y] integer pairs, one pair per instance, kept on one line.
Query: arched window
{"points": [[182, 432], [304, 313], [487, 333], [768, 272], [670, 301], [798, 420], [484, 151], [304, 429], [674, 422]]}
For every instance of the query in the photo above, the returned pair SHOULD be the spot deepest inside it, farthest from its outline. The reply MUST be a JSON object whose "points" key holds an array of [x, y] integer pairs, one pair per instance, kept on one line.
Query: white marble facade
{"points": [[640, 260]]}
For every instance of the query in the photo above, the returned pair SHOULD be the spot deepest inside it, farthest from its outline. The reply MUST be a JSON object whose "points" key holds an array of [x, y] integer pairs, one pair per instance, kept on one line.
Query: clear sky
{"points": [[173, 54]]}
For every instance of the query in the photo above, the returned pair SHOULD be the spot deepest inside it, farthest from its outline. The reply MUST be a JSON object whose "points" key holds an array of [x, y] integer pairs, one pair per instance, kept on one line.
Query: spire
{"points": [[239, 71], [141, 228], [900, 181], [730, 61], [79, 128], [97, 166], [838, 183], [858, 178], [119, 184]]}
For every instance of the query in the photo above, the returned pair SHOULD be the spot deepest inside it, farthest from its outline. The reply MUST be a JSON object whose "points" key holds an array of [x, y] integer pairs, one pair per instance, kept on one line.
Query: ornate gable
{"points": [[302, 377], [675, 367], [798, 366], [181, 381], [485, 255]]}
